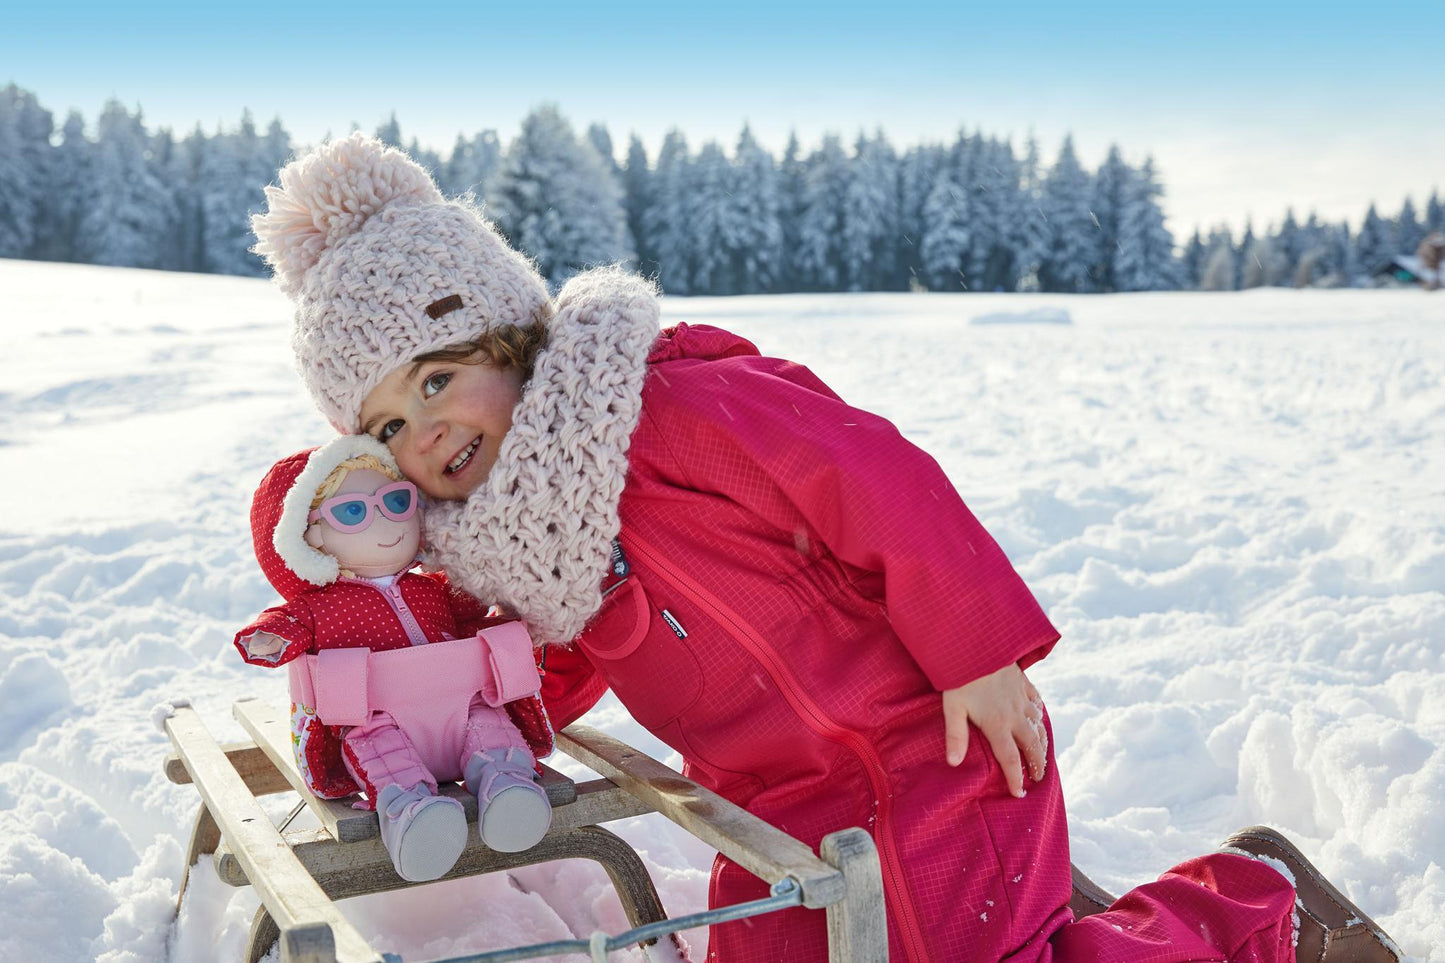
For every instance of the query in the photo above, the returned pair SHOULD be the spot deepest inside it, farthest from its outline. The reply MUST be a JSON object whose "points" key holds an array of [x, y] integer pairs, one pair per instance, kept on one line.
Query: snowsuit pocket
{"points": [[652, 671]]}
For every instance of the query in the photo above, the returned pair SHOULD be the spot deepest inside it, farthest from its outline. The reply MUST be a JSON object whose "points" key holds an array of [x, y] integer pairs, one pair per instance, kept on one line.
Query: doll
{"points": [[389, 694]]}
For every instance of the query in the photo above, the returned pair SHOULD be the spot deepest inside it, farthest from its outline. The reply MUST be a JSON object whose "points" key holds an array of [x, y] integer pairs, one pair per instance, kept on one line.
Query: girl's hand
{"points": [[1008, 711]]}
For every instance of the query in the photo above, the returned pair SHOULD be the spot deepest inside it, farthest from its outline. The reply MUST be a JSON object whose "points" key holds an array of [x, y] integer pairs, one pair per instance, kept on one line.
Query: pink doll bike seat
{"points": [[427, 689]]}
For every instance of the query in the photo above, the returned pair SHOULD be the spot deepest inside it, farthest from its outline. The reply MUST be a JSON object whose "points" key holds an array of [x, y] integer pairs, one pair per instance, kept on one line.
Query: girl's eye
{"points": [[435, 383], [389, 429]]}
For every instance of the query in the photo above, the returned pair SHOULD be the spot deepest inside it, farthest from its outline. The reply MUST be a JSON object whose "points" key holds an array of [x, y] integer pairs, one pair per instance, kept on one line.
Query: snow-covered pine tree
{"points": [[996, 205], [665, 218], [1192, 261], [429, 159], [792, 172], [1434, 213], [1144, 258], [1241, 253], [1373, 248], [1349, 261], [184, 179], [389, 132], [275, 152], [636, 195], [754, 230], [1073, 243], [870, 216], [820, 222], [25, 171], [457, 168], [601, 141], [712, 188], [71, 185], [236, 168], [556, 201], [1288, 246], [916, 175], [965, 165], [167, 162], [1219, 270], [946, 236], [1316, 260], [472, 165], [1110, 186], [1406, 231], [126, 221], [1030, 228], [1264, 265]]}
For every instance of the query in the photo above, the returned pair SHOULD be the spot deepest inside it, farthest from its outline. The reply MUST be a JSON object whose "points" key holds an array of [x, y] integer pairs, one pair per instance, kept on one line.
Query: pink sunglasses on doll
{"points": [[352, 512]]}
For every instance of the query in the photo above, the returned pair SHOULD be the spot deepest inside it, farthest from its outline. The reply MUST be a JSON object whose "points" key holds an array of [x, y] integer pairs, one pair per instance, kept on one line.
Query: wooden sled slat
{"points": [[298, 873], [763, 850], [311, 927]]}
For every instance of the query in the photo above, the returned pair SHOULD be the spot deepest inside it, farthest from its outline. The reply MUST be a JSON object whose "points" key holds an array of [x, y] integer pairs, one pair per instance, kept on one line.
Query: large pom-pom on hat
{"points": [[382, 268], [327, 196]]}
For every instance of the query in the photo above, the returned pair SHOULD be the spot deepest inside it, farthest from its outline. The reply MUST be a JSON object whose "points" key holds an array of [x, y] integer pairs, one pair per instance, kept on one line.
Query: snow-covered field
{"points": [[1232, 505]]}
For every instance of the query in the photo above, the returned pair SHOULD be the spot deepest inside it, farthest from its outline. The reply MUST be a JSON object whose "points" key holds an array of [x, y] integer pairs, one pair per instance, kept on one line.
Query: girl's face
{"points": [[444, 421], [384, 547]]}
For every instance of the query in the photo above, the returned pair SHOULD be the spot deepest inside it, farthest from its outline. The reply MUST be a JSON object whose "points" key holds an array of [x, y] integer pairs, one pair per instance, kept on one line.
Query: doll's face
{"points": [[384, 547]]}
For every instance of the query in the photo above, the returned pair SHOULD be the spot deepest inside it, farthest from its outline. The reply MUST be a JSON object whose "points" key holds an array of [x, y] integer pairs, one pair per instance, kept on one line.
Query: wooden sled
{"points": [[299, 873]]}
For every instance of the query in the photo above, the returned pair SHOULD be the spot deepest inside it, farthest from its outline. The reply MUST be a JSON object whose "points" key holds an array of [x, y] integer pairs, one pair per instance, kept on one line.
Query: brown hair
{"points": [[507, 345]]}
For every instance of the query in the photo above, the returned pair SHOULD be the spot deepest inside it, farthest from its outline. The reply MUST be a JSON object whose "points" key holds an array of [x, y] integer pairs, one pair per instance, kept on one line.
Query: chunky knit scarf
{"points": [[536, 535]]}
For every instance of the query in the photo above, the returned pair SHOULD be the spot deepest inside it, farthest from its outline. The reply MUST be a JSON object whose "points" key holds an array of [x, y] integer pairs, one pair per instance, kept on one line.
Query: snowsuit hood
{"points": [[698, 342]]}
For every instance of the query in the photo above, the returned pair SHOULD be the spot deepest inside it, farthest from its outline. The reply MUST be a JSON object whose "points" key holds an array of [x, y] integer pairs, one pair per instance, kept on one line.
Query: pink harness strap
{"points": [[427, 689], [513, 664], [339, 677]]}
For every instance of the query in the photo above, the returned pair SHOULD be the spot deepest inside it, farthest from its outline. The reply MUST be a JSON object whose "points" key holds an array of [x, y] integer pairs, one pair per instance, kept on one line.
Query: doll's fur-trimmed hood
{"points": [[282, 503]]}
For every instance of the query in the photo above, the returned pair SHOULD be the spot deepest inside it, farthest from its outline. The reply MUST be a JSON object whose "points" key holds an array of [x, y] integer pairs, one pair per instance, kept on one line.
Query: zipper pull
{"points": [[618, 561]]}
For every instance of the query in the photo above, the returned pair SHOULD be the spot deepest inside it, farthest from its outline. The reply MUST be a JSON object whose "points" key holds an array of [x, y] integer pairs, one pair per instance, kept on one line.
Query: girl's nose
{"points": [[429, 433]]}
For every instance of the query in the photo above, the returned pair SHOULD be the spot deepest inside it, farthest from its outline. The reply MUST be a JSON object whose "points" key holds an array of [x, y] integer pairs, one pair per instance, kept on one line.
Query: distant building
{"points": [[1423, 267]]}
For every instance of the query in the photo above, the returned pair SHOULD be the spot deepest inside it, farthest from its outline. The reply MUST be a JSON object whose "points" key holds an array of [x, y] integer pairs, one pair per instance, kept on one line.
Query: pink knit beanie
{"points": [[382, 268]]}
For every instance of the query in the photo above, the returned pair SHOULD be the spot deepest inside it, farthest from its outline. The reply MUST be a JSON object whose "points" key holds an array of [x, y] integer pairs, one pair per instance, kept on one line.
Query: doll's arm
{"points": [[278, 635], [263, 645]]}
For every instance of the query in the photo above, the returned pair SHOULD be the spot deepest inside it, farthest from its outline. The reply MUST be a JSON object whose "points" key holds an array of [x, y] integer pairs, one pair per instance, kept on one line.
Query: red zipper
{"points": [[816, 719]]}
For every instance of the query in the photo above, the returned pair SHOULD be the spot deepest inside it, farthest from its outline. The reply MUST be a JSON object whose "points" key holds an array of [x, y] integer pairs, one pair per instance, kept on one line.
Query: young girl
{"points": [[389, 695], [774, 583]]}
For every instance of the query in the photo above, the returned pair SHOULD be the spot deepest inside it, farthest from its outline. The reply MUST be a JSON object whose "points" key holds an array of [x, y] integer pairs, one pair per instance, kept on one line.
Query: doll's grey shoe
{"points": [[513, 812], [424, 834], [1331, 928]]}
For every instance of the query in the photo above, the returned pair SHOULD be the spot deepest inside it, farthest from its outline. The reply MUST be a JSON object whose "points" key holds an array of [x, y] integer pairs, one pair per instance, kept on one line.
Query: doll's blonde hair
{"points": [[355, 463]]}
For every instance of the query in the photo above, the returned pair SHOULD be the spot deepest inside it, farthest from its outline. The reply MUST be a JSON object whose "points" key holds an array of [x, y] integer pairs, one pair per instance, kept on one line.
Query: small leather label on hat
{"points": [[446, 305]]}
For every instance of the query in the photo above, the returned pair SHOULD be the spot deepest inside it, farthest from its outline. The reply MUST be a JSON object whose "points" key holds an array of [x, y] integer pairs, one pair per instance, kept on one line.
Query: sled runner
{"points": [[299, 873]]}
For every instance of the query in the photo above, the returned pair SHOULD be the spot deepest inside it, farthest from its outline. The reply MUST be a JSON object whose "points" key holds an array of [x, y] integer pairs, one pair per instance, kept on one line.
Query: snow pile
{"points": [[1229, 504], [1041, 315]]}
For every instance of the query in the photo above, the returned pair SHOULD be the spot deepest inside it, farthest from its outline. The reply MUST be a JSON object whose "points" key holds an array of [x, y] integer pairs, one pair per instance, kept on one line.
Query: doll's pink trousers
{"points": [[416, 715]]}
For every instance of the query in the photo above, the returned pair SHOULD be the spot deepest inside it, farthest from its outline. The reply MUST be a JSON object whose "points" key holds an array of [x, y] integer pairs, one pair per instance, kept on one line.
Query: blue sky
{"points": [[1247, 108]]}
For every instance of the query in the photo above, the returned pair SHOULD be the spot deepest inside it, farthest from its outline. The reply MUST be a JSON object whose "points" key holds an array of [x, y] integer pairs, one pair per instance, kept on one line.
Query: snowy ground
{"points": [[1230, 504]]}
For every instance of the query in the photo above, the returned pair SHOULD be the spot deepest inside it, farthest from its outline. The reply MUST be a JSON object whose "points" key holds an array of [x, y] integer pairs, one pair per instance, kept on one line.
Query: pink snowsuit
{"points": [[799, 585], [383, 689]]}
